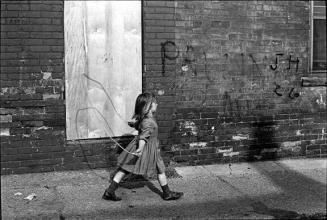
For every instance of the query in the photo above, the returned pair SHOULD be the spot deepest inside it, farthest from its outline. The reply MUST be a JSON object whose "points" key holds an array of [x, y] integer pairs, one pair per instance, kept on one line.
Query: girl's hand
{"points": [[138, 152]]}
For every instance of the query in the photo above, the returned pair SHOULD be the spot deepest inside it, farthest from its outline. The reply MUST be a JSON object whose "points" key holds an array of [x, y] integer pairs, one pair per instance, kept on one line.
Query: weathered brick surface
{"points": [[232, 75], [227, 75], [32, 113]]}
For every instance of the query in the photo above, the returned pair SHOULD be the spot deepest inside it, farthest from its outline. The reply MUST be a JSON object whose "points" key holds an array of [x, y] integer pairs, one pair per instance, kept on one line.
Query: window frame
{"points": [[312, 17]]}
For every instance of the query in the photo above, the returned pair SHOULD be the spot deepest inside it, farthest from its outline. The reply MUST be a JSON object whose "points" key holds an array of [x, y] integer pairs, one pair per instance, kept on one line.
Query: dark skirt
{"points": [[149, 163]]}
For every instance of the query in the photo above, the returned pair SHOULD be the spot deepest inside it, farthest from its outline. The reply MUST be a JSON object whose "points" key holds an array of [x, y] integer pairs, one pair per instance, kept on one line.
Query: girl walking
{"points": [[145, 159]]}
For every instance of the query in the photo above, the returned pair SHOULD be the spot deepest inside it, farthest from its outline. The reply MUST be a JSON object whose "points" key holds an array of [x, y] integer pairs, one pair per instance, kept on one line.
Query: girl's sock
{"points": [[165, 189], [109, 193], [112, 187]]}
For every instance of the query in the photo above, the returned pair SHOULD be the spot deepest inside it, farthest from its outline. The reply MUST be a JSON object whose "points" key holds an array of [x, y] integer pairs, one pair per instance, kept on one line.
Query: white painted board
{"points": [[103, 64]]}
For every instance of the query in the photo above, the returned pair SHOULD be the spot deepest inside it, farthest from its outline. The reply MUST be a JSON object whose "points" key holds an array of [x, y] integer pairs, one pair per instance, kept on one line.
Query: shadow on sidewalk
{"points": [[297, 184], [135, 181], [131, 181], [289, 187], [292, 183], [236, 208], [264, 147]]}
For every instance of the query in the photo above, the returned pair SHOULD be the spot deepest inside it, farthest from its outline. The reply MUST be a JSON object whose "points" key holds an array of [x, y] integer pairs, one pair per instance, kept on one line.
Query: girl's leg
{"points": [[167, 194], [109, 194], [162, 179], [119, 176]]}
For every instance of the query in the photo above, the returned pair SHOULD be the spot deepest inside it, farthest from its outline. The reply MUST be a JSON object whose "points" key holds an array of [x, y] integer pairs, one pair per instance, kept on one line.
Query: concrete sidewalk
{"points": [[282, 189]]}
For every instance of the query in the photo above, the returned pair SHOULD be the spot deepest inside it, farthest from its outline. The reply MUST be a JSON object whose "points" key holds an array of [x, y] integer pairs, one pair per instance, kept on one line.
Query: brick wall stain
{"points": [[227, 75]]}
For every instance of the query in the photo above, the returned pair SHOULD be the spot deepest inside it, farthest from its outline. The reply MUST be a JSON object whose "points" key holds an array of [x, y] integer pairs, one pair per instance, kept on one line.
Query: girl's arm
{"points": [[139, 150], [146, 128]]}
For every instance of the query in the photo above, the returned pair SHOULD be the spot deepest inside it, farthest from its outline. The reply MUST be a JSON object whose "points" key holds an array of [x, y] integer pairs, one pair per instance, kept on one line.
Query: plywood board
{"points": [[103, 85]]}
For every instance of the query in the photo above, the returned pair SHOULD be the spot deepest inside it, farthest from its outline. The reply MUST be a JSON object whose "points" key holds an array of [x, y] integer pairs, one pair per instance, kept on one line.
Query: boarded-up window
{"points": [[319, 36], [103, 67]]}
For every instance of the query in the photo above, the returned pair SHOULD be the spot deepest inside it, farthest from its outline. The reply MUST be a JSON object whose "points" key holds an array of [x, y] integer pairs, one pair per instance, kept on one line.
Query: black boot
{"points": [[109, 194], [169, 195]]}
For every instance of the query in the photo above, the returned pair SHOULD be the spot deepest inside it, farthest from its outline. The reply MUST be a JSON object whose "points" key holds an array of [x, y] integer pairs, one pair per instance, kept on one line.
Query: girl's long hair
{"points": [[142, 107]]}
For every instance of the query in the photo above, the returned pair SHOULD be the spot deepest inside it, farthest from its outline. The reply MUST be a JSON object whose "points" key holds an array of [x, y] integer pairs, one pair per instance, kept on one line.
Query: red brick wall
{"points": [[225, 96], [212, 65], [32, 85], [32, 94]]}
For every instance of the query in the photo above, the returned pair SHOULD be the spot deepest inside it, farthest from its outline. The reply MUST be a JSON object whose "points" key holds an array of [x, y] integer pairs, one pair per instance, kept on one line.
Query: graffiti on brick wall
{"points": [[291, 93], [189, 61], [192, 61], [290, 62], [165, 55]]}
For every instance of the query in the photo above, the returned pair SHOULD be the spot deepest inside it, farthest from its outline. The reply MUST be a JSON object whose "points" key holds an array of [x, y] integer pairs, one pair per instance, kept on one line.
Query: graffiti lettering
{"points": [[277, 88], [242, 63], [170, 51], [293, 61], [164, 56], [189, 60], [254, 64], [190, 57], [276, 61], [293, 95]]}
